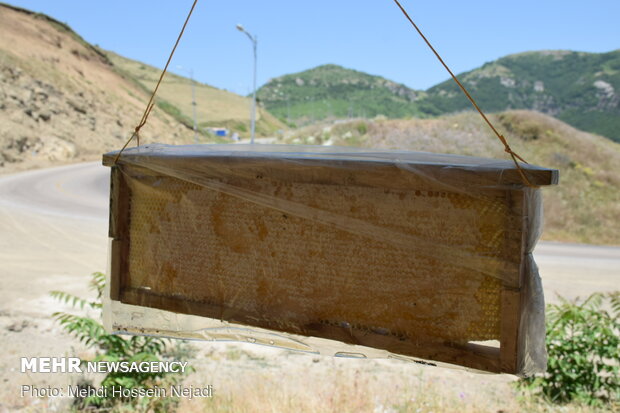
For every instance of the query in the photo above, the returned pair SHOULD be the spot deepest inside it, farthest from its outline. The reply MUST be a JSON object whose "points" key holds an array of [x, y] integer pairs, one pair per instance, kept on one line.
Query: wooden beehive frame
{"points": [[505, 358]]}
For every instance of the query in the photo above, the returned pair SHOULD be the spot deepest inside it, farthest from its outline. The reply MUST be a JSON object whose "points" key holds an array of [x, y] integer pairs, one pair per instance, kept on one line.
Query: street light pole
{"points": [[254, 41], [191, 76]]}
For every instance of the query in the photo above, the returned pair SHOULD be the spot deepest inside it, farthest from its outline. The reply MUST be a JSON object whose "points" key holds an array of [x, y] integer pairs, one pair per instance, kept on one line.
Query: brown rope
{"points": [[151, 103], [501, 137]]}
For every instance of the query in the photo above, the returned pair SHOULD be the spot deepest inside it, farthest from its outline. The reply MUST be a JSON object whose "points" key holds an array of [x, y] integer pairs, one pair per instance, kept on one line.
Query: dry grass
{"points": [[249, 378], [214, 107], [276, 381], [585, 206]]}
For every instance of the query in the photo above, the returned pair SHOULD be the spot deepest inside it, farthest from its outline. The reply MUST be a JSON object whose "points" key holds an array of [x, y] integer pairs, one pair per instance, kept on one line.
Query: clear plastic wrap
{"points": [[341, 251]]}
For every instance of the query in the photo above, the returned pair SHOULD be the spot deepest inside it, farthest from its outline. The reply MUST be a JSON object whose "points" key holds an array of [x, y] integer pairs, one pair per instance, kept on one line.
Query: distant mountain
{"points": [[582, 89], [332, 91]]}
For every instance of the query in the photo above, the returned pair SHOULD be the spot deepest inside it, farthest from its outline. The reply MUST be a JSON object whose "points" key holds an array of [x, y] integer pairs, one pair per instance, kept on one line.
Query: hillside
{"points": [[61, 99], [581, 89], [584, 207], [214, 107], [331, 91], [64, 100]]}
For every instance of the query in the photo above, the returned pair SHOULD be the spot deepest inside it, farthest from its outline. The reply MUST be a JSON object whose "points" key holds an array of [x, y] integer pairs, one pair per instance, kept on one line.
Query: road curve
{"points": [[76, 191]]}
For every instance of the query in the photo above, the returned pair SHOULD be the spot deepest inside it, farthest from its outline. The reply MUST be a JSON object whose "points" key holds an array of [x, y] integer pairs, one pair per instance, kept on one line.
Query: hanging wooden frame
{"points": [[222, 231]]}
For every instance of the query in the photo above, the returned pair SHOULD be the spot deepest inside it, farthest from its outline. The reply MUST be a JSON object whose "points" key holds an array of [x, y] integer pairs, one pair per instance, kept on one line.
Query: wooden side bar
{"points": [[512, 288], [119, 231]]}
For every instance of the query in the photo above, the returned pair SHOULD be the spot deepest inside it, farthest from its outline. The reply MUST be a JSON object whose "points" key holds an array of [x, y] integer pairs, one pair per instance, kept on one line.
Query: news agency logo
{"points": [[50, 365], [75, 365]]}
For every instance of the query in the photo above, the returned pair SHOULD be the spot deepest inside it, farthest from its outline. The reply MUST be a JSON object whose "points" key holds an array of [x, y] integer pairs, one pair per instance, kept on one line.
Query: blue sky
{"points": [[367, 35]]}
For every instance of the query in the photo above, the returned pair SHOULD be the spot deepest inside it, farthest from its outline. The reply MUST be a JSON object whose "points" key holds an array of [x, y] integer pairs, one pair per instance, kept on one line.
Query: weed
{"points": [[114, 348], [583, 341]]}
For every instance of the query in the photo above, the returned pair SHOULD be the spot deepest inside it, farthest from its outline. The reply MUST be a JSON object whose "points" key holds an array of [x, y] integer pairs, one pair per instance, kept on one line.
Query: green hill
{"points": [[581, 89], [332, 91]]}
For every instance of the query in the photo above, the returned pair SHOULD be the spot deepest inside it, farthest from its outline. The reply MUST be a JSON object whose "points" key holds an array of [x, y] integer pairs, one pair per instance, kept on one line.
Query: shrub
{"points": [[115, 348], [524, 127], [583, 342], [362, 128]]}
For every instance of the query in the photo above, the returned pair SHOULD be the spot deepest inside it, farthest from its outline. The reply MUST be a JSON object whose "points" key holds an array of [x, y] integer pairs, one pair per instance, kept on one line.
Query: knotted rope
{"points": [[151, 103]]}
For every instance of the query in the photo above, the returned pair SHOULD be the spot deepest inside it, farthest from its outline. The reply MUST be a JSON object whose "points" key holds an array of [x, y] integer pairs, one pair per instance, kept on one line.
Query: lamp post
{"points": [[191, 76], [254, 41]]}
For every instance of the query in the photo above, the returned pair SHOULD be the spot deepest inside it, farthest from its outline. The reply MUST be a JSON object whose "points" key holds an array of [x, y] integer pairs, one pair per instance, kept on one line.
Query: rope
{"points": [[151, 103], [501, 137]]}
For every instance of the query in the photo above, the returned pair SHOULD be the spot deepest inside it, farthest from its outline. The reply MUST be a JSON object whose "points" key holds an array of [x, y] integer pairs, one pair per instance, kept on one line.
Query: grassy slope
{"points": [[585, 207], [214, 107]]}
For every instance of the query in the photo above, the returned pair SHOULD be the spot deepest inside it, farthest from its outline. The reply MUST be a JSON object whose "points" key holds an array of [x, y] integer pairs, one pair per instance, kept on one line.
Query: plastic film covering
{"points": [[340, 251]]}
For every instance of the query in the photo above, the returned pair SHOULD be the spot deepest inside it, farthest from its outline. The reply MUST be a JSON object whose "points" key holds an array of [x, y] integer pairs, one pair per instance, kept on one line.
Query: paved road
{"points": [[75, 191], [54, 221]]}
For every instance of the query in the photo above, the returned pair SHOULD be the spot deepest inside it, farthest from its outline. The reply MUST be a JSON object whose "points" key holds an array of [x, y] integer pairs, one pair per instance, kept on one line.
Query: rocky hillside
{"points": [[61, 99], [584, 207], [64, 100], [582, 89], [332, 91]]}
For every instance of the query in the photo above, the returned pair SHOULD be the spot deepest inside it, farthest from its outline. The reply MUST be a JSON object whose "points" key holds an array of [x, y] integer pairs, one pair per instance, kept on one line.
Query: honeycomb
{"points": [[417, 264]]}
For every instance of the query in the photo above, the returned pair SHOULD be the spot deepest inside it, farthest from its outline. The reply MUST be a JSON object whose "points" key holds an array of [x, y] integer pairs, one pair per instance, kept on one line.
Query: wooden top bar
{"points": [[331, 165]]}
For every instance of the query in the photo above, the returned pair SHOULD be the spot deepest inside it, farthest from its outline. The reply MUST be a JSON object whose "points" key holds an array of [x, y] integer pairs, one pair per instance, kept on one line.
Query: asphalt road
{"points": [[53, 223], [74, 191]]}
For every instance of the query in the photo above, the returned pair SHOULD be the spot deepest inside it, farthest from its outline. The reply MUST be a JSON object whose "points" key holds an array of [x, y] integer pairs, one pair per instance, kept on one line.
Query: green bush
{"points": [[362, 128], [109, 347], [583, 342]]}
